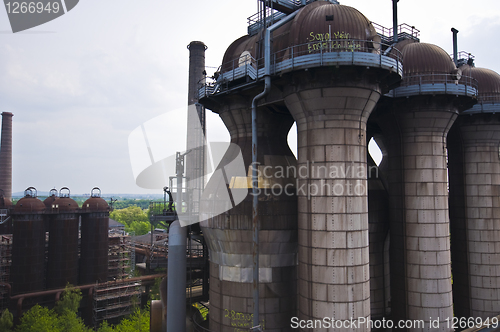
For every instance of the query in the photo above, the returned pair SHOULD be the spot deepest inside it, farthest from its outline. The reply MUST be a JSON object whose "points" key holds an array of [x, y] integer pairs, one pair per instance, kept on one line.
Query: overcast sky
{"points": [[79, 85]]}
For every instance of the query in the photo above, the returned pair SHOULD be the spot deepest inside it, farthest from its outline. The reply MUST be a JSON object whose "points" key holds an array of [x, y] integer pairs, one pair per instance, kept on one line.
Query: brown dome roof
{"points": [[487, 79], [237, 49], [95, 204], [66, 204], [422, 58], [316, 20], [29, 204]]}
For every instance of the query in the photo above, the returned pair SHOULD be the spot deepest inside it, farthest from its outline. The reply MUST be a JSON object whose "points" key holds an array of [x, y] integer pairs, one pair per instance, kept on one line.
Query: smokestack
{"points": [[6, 156], [455, 46], [395, 20]]}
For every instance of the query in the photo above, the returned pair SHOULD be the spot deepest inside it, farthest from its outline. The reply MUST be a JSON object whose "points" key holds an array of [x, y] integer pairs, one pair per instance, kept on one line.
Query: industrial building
{"points": [[335, 235], [352, 240]]}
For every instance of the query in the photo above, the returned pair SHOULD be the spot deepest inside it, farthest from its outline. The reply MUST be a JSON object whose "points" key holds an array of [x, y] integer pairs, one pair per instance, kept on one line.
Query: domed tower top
{"points": [[429, 70], [95, 203], [489, 88], [423, 58], [321, 22], [29, 204], [65, 203]]}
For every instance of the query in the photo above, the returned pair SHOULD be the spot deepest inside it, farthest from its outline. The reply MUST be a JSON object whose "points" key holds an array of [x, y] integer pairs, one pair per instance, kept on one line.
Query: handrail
{"points": [[489, 98], [402, 29], [247, 66], [438, 78]]}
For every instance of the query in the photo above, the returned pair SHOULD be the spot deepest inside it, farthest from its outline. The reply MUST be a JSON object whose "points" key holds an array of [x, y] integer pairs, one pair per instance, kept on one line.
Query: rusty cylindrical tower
{"points": [[63, 218], [474, 173], [28, 246], [94, 239]]}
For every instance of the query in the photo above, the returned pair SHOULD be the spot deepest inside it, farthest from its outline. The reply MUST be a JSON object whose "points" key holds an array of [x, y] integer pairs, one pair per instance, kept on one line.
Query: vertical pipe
{"points": [[255, 202], [455, 46], [176, 288], [6, 156], [395, 20]]}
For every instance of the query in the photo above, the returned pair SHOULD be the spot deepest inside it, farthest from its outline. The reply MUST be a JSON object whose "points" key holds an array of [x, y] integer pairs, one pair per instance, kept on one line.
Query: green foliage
{"points": [[138, 227], [70, 322], [105, 327], [137, 322], [39, 319], [125, 203], [69, 301], [128, 215], [154, 294], [63, 318], [134, 218], [6, 321]]}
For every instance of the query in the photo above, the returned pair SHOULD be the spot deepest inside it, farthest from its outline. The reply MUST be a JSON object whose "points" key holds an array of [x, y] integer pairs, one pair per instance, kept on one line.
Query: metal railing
{"points": [[405, 31], [489, 98], [436, 83], [341, 51]]}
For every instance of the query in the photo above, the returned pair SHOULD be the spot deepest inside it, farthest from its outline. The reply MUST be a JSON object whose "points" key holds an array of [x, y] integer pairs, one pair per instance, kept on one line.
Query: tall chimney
{"points": [[395, 20], [6, 156], [455, 46]]}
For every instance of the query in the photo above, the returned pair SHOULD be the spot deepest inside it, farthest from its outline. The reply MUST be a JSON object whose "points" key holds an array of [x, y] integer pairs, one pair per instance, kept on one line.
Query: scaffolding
{"points": [[113, 300], [5, 264], [121, 254]]}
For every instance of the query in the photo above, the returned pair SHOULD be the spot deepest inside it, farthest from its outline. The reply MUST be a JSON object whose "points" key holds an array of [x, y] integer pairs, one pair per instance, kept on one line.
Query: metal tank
{"points": [[63, 217], [331, 96], [415, 119], [28, 246], [94, 249], [474, 173], [53, 195], [6, 155]]}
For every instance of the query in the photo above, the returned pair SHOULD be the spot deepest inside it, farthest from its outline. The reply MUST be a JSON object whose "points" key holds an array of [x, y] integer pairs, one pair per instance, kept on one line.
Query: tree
{"points": [[69, 301], [39, 319], [128, 215], [138, 227], [137, 322], [6, 321]]}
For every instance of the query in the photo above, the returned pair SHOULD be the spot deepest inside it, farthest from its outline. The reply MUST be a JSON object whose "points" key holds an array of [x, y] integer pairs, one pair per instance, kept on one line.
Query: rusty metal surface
{"points": [[62, 266], [94, 241], [28, 247], [421, 58], [321, 21]]}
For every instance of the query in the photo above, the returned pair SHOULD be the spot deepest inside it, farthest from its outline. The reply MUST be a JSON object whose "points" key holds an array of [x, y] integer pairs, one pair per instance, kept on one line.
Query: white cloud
{"points": [[80, 84]]}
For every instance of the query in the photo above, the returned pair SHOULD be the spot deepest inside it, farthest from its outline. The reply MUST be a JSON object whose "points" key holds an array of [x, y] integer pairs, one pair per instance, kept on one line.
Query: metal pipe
{"points": [[395, 20], [176, 288], [177, 237], [455, 46], [255, 180]]}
